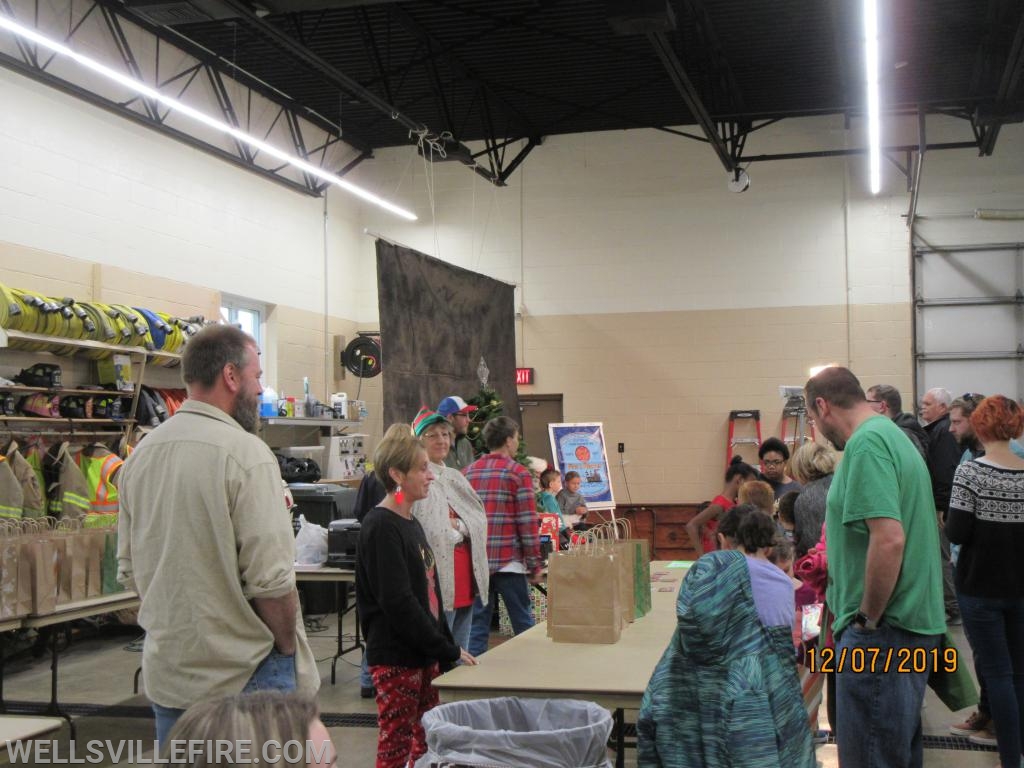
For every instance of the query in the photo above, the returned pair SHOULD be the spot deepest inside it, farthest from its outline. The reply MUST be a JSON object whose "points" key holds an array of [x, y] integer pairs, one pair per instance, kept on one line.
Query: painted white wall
{"points": [[79, 181], [596, 207]]}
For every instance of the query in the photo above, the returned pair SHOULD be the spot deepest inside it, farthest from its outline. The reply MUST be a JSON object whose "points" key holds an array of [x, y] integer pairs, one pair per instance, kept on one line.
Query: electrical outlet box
{"points": [[622, 447]]}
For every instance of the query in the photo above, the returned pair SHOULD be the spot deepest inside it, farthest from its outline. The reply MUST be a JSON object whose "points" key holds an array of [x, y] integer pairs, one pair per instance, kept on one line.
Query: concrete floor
{"points": [[97, 670]]}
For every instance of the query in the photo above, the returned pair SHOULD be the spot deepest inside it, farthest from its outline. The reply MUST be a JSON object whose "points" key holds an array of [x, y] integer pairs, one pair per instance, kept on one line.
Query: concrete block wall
{"points": [[653, 299], [656, 301]]}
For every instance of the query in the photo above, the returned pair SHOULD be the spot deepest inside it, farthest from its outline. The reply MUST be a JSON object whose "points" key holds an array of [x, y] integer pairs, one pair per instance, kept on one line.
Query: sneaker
{"points": [[972, 725], [820, 737], [368, 693], [986, 737]]}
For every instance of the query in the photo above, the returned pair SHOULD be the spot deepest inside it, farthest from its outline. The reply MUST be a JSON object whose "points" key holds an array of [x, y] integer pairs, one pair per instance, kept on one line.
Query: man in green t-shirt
{"points": [[885, 579]]}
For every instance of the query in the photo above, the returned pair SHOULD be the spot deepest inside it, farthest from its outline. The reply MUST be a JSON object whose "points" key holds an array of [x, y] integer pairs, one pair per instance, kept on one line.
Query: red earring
{"points": [[399, 494]]}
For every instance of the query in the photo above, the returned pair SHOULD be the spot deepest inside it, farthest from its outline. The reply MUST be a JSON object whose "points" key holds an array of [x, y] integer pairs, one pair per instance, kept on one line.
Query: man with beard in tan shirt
{"points": [[205, 538]]}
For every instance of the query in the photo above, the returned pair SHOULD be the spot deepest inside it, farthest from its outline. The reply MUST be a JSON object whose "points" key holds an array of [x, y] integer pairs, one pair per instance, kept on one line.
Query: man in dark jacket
{"points": [[943, 457], [886, 399]]}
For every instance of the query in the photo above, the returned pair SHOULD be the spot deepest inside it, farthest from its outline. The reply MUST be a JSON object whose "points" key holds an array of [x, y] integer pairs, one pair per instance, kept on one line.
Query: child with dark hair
{"points": [[749, 530], [774, 455], [701, 528], [570, 500]]}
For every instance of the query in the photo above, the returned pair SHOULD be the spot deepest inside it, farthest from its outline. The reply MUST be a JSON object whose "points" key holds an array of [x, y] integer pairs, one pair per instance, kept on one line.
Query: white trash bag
{"points": [[518, 733], [310, 543]]}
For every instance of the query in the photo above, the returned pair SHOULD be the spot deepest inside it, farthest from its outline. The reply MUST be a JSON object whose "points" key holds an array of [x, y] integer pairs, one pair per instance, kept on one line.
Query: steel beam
{"points": [[1008, 84], [21, 67], [146, 112], [662, 46]]}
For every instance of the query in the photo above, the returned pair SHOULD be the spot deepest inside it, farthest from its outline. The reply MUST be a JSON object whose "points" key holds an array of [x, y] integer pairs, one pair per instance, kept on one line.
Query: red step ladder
{"points": [[747, 415], [794, 417]]}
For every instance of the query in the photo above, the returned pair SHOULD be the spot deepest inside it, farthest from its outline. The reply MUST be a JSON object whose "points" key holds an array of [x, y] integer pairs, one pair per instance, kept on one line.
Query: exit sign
{"points": [[524, 376]]}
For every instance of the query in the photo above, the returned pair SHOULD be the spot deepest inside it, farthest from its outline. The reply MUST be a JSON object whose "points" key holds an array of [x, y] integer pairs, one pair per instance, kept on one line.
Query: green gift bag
{"points": [[949, 677], [107, 525], [642, 576]]}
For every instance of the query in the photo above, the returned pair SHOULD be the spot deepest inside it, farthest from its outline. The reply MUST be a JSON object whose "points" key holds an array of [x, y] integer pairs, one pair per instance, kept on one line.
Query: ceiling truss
{"points": [[180, 70], [424, 73]]}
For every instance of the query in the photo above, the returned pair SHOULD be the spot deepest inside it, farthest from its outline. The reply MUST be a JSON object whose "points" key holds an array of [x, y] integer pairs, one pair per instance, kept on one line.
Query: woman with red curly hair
{"points": [[986, 517]]}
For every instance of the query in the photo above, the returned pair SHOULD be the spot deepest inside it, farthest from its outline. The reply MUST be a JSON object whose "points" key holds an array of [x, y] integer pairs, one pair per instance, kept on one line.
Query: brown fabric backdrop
{"points": [[436, 320]]}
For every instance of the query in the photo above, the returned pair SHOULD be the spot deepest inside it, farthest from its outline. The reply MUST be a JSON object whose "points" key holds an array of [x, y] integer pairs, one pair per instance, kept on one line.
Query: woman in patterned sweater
{"points": [[986, 517]]}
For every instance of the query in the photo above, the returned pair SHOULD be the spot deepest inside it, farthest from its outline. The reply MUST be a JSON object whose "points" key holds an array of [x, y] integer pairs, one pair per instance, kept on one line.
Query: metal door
{"points": [[969, 319], [538, 411]]}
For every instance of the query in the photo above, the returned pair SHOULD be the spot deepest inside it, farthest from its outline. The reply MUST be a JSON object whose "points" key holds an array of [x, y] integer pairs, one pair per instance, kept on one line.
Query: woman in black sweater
{"points": [[986, 517], [399, 602]]}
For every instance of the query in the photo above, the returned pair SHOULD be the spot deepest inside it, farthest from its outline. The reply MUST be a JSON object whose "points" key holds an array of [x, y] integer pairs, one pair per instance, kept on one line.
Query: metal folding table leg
{"points": [[343, 608], [54, 707]]}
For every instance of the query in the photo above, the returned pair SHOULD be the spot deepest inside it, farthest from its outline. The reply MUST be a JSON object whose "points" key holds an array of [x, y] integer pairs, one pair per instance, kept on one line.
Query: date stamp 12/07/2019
{"points": [[872, 660]]}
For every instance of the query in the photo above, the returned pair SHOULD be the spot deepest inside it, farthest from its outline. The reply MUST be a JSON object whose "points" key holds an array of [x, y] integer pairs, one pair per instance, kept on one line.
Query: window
{"points": [[247, 315]]}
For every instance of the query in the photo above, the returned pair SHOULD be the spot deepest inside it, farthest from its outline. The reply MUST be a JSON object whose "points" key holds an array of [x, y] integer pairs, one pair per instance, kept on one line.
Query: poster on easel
{"points": [[581, 448]]}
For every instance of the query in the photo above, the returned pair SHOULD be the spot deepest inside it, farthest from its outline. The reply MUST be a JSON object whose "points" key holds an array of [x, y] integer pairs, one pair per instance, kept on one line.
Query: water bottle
{"points": [[268, 403]]}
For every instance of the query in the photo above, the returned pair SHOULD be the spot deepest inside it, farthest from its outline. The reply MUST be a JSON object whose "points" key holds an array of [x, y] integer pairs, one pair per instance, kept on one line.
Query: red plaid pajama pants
{"points": [[403, 695]]}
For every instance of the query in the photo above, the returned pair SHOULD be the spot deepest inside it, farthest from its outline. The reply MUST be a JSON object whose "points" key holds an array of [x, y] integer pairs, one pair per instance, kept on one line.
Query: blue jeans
{"points": [[275, 673], [166, 717], [365, 679], [515, 593], [460, 622], [995, 630], [879, 712]]}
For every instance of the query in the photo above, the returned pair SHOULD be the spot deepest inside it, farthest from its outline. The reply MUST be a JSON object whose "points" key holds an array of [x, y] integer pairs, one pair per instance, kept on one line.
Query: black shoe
{"points": [[368, 693]]}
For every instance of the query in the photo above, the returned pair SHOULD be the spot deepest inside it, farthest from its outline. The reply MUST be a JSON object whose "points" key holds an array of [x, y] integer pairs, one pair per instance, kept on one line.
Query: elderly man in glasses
{"points": [[943, 457], [886, 400]]}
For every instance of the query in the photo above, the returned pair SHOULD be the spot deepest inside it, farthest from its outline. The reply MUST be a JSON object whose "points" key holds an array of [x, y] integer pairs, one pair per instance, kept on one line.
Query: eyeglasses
{"points": [[774, 462], [972, 396], [435, 435]]}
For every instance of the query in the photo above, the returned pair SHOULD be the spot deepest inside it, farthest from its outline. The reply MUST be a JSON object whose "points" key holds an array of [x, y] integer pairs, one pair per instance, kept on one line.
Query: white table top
{"points": [[612, 675], [18, 727], [324, 574], [81, 609]]}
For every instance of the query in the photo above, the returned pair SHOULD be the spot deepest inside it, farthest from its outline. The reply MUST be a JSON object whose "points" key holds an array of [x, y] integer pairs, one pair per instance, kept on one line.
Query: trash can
{"points": [[517, 733]]}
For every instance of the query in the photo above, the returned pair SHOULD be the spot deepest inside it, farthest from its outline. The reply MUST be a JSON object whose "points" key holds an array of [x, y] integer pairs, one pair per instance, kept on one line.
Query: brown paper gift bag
{"points": [[39, 549], [10, 560], [626, 556], [74, 557], [583, 595], [96, 539]]}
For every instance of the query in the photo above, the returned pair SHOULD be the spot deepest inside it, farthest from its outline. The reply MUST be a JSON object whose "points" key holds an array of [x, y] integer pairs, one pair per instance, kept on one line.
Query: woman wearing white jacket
{"points": [[455, 525]]}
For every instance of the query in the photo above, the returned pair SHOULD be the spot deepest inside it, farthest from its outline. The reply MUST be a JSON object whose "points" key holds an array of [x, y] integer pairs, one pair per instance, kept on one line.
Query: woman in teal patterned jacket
{"points": [[725, 693]]}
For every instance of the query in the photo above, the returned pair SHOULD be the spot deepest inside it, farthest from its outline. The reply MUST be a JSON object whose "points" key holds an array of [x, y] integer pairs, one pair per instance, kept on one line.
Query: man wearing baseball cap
{"points": [[455, 409]]}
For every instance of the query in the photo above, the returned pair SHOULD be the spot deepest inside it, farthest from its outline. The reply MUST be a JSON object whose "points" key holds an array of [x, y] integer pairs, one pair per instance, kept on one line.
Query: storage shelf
{"points": [[21, 388], [57, 420], [7, 335], [301, 421]]}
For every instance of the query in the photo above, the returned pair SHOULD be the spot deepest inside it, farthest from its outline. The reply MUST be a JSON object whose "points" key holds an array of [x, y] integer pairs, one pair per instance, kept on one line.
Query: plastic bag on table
{"points": [[514, 732], [310, 543]]}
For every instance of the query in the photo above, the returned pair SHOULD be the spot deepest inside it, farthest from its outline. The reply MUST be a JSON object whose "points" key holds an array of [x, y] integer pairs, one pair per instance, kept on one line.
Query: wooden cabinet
{"points": [[664, 526]]}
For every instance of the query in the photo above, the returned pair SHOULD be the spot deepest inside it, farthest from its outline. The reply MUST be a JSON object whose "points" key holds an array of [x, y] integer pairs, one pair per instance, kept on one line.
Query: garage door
{"points": [[969, 319]]}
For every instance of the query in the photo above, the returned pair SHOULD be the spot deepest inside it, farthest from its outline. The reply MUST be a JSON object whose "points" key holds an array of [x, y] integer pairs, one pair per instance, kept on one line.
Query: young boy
{"points": [[570, 501], [550, 486]]}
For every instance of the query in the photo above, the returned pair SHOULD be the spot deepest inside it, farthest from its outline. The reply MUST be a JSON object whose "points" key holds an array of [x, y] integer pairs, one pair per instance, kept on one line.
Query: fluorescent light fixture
{"points": [[998, 214], [871, 63], [146, 91]]}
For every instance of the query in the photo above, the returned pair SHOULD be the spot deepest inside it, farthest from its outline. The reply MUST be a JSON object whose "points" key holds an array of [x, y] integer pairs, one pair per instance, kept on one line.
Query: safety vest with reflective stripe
{"points": [[99, 470]]}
